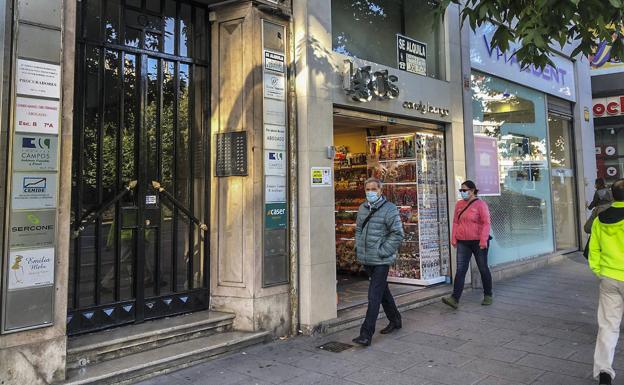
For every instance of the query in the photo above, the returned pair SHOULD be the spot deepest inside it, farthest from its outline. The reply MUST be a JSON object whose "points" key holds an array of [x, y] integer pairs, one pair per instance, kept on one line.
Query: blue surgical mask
{"points": [[465, 195], [372, 196]]}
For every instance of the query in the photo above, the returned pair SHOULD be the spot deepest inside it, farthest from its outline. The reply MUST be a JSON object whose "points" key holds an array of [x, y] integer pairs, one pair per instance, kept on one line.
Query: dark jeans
{"points": [[378, 293], [465, 250]]}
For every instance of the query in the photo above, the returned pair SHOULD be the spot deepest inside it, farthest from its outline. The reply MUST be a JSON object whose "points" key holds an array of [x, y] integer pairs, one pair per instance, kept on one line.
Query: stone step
{"points": [[90, 349], [140, 366]]}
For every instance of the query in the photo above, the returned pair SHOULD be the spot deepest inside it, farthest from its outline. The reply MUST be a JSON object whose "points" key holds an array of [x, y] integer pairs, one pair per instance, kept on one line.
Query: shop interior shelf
{"points": [[394, 160]]}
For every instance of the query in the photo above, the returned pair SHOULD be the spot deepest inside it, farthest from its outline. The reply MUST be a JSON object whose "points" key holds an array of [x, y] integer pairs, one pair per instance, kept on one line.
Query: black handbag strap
{"points": [[466, 208], [373, 211]]}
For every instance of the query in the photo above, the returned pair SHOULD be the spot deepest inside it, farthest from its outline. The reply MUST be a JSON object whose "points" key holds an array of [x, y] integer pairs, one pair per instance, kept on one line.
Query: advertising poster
{"points": [[31, 268], [321, 176], [274, 137], [274, 163], [274, 189], [487, 170], [38, 79], [33, 191], [35, 152], [36, 115], [275, 215], [33, 228]]}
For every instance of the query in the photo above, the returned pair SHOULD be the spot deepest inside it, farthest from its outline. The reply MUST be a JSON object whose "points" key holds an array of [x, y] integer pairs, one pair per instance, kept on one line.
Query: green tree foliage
{"points": [[538, 25]]}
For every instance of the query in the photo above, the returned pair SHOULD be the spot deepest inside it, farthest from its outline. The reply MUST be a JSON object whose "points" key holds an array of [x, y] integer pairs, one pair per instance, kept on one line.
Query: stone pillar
{"points": [[237, 206], [42, 30], [317, 255]]}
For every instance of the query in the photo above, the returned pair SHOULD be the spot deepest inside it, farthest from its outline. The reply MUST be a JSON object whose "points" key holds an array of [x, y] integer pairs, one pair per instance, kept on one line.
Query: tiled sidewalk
{"points": [[540, 330]]}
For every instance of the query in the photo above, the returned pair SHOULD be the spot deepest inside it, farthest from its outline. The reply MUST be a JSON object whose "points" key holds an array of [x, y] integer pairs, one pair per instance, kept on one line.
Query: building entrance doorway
{"points": [[139, 250]]}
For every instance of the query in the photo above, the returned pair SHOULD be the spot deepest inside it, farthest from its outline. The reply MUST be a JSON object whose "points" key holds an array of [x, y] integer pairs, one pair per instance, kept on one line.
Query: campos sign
{"points": [[613, 106]]}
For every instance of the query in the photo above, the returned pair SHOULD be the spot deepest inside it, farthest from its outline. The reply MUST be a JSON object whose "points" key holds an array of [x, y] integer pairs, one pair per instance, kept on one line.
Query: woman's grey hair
{"points": [[374, 180]]}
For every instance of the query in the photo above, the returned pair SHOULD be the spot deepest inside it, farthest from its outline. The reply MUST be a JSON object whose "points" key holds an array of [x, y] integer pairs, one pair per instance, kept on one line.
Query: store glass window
{"points": [[610, 152], [520, 207], [367, 29]]}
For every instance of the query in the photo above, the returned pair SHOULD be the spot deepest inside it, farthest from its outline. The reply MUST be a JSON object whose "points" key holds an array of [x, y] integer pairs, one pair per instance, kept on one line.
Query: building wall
{"points": [[319, 87]]}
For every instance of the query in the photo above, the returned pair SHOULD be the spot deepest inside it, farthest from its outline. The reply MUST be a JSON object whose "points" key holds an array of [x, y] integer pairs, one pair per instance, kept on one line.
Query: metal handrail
{"points": [[91, 215], [161, 190]]}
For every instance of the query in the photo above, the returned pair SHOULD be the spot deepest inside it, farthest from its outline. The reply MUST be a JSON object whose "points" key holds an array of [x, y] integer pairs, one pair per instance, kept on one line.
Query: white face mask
{"points": [[465, 195]]}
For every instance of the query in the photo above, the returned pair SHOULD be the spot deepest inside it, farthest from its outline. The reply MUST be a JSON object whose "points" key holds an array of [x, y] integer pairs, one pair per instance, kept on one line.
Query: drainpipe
{"points": [[293, 182]]}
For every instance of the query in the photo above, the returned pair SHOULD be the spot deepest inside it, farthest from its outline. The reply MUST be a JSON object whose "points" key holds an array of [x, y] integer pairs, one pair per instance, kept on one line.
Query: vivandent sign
{"points": [[556, 80]]}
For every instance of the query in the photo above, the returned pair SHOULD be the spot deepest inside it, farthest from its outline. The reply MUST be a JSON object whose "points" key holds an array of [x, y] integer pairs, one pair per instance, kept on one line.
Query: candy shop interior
{"points": [[409, 158]]}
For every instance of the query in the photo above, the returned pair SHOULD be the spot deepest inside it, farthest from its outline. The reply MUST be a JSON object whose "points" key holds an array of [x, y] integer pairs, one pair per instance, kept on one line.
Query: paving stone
{"points": [[396, 362], [269, 371], [282, 352], [570, 368], [440, 342], [375, 376], [213, 377], [431, 355], [497, 381], [314, 378], [512, 372], [552, 349], [493, 352], [444, 374], [561, 379], [331, 365]]}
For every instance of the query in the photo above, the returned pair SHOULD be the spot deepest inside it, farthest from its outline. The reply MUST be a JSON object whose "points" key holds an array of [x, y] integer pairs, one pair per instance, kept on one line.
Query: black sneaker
{"points": [[604, 379]]}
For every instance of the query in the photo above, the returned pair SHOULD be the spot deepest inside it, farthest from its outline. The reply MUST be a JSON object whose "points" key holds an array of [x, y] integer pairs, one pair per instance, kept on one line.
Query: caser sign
{"points": [[612, 106]]}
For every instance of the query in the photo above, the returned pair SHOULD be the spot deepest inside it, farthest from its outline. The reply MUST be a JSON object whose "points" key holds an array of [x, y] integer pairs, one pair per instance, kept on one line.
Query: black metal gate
{"points": [[140, 161]]}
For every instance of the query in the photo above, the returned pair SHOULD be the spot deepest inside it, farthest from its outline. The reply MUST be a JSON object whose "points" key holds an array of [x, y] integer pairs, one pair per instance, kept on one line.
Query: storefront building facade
{"points": [[529, 152], [377, 95], [608, 112], [140, 137]]}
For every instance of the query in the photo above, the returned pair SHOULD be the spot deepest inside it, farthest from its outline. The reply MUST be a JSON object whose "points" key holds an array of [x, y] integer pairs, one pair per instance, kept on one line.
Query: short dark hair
{"points": [[600, 183], [471, 185], [617, 188]]}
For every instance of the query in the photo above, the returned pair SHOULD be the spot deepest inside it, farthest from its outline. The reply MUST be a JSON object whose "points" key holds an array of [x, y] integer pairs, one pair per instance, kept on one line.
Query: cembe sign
{"points": [[612, 106]]}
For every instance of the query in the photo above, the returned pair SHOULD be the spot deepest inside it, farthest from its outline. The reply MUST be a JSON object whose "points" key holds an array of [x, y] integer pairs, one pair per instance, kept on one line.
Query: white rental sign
{"points": [[38, 79], [31, 268], [36, 115]]}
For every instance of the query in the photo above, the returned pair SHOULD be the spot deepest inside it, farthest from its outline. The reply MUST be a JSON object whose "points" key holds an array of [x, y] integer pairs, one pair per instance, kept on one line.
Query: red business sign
{"points": [[612, 106]]}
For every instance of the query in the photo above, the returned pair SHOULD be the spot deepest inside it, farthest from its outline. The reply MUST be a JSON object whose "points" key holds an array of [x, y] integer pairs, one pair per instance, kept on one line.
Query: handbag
{"points": [[586, 250]]}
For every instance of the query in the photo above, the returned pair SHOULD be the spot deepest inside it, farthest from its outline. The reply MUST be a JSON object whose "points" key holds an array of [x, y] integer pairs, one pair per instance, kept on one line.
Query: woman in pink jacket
{"points": [[471, 236]]}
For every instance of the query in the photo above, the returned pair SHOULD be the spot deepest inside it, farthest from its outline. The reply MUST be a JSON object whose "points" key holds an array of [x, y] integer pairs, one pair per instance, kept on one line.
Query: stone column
{"points": [[44, 29]]}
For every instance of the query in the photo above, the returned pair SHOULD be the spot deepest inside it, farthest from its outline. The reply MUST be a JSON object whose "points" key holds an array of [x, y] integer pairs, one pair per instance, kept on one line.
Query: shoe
{"points": [[604, 379], [487, 300], [364, 341], [450, 301], [390, 328]]}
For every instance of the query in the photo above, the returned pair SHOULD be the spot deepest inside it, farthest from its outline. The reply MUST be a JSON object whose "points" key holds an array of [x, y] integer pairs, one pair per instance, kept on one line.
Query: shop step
{"points": [[353, 316], [140, 366], [109, 344]]}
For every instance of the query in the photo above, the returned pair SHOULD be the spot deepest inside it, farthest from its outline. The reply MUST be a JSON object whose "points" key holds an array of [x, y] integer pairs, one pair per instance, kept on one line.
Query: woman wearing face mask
{"points": [[470, 235]]}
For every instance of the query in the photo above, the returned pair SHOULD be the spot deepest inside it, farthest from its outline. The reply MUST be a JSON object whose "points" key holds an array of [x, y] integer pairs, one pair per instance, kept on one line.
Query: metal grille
{"points": [[335, 346]]}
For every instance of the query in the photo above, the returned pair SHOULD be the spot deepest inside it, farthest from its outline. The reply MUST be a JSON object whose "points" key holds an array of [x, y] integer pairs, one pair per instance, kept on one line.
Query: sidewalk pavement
{"points": [[540, 330]]}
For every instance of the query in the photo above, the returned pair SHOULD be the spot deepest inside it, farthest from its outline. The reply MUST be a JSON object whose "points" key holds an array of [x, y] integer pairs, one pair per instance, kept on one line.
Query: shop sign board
{"points": [[33, 191], [274, 137], [274, 86], [37, 78], [274, 112], [557, 79], [611, 106], [275, 215], [33, 152], [321, 176], [31, 268], [33, 228], [411, 55], [274, 163], [274, 62], [36, 115], [487, 171], [274, 189]]}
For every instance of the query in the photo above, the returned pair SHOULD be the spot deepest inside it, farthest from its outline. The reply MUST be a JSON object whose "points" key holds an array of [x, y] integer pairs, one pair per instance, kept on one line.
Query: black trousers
{"points": [[378, 294], [465, 251]]}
